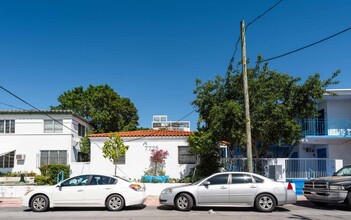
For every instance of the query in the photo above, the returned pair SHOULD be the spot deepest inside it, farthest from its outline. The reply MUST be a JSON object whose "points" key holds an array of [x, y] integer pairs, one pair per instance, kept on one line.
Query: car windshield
{"points": [[197, 182], [345, 171]]}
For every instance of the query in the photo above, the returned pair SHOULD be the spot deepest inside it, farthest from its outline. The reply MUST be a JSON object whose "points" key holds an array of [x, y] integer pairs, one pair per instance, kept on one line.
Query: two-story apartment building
{"points": [[29, 139], [329, 135]]}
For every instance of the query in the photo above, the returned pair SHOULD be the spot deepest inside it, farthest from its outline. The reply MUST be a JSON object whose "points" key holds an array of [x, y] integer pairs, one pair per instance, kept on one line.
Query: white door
{"points": [[99, 189], [71, 192]]}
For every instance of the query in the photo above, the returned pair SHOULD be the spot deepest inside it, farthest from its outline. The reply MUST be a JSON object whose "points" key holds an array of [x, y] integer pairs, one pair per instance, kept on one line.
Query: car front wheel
{"points": [[115, 203], [184, 202], [40, 203], [265, 203]]}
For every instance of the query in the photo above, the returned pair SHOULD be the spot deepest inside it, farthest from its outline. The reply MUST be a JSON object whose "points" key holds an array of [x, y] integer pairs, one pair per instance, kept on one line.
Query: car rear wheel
{"points": [[184, 202], [265, 203], [115, 203], [40, 203]]}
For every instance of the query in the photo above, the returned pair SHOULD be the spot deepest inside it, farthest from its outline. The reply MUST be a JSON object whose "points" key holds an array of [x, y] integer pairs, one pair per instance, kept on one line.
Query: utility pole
{"points": [[246, 96]]}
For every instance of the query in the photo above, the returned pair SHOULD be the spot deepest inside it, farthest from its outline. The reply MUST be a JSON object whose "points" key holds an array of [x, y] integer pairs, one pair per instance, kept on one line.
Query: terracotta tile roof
{"points": [[147, 133]]}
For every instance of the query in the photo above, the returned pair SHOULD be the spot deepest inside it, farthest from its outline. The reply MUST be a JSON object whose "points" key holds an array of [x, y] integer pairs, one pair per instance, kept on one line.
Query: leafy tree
{"points": [[277, 101], [114, 148], [102, 107], [203, 145]]}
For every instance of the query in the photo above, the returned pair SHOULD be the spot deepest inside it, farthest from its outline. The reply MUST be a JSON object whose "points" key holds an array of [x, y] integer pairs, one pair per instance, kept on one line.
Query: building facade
{"points": [[137, 159], [329, 135], [29, 139]]}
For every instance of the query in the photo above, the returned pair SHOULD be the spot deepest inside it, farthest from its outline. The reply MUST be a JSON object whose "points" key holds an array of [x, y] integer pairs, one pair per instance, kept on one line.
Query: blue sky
{"points": [[152, 51]]}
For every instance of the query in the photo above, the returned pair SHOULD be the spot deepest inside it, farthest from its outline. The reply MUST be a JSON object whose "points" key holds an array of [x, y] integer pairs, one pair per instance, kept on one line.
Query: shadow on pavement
{"points": [[222, 209], [308, 204], [74, 209]]}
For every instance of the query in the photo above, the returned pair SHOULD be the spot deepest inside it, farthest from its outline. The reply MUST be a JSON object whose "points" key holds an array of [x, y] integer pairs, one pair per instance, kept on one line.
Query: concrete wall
{"points": [[138, 157], [342, 151]]}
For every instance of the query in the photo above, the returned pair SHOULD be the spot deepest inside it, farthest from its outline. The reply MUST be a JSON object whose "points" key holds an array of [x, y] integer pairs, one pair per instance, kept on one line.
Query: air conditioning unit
{"points": [[20, 156]]}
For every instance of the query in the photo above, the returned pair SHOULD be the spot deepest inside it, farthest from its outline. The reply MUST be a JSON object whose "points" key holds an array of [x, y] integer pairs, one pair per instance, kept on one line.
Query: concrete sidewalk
{"points": [[150, 201]]}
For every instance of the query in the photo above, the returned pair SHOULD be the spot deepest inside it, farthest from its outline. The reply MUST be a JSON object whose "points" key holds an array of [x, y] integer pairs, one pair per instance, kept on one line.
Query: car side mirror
{"points": [[206, 183], [58, 185], [334, 174]]}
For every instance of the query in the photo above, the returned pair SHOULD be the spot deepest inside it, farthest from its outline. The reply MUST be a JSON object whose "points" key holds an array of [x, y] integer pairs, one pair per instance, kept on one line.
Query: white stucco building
{"points": [[137, 159], [29, 139], [329, 135]]}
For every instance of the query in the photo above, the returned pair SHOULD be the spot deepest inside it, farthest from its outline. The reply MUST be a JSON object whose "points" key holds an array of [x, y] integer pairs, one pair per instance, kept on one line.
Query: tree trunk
{"points": [[115, 169]]}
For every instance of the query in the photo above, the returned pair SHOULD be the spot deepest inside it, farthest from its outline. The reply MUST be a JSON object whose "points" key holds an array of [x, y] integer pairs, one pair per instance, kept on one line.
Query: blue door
{"points": [[322, 164]]}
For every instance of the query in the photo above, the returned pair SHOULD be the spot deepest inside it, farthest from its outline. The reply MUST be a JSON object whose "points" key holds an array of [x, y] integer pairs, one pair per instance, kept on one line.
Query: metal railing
{"points": [[304, 168], [309, 168], [332, 126]]}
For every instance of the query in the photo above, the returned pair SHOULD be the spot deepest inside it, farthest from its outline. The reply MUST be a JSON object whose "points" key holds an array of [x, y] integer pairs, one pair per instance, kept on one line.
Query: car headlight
{"points": [[167, 191], [336, 187], [28, 191]]}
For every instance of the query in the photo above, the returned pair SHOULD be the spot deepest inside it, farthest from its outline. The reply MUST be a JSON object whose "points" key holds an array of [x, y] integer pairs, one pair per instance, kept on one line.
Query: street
{"points": [[301, 210]]}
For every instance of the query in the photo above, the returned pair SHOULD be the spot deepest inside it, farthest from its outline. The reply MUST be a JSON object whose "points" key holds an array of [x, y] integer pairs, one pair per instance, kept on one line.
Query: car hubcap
{"points": [[182, 202], [115, 202], [39, 203], [266, 202]]}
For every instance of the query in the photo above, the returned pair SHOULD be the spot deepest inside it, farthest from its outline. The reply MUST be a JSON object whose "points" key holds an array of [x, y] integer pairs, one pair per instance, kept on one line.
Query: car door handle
{"points": [[79, 190], [223, 187], [107, 188], [253, 187]]}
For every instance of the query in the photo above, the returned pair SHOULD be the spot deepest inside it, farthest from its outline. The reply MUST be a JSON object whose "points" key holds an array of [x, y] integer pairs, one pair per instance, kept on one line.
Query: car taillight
{"points": [[290, 187], [136, 187]]}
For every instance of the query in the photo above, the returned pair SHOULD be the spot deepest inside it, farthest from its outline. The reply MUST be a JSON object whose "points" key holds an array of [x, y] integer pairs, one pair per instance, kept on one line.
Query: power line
{"points": [[11, 106], [250, 23], [37, 109], [307, 46]]}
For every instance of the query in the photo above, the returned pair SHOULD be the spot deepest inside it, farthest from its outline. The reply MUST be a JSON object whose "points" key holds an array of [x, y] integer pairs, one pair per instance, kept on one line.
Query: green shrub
{"points": [[50, 171], [42, 180], [18, 174]]}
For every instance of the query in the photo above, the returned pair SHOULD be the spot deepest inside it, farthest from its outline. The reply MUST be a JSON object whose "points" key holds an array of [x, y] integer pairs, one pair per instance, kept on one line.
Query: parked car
{"points": [[231, 189], [334, 189], [89, 190]]}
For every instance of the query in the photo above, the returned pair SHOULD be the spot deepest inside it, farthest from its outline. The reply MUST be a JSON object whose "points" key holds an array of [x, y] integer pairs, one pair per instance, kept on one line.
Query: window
{"points": [[7, 126], [7, 160], [53, 126], [185, 156], [76, 181], [121, 160], [258, 180], [219, 179], [241, 178], [81, 130], [53, 157], [102, 180]]}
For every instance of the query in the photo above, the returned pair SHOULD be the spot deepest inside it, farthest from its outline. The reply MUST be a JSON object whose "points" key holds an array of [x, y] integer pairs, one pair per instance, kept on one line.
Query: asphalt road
{"points": [[301, 210]]}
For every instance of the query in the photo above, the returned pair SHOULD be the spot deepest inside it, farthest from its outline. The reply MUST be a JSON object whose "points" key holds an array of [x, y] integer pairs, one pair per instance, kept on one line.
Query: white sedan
{"points": [[89, 190]]}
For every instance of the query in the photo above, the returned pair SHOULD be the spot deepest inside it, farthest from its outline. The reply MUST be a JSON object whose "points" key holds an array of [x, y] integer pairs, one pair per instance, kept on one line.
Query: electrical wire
{"points": [[14, 95], [11, 106], [250, 23], [304, 47]]}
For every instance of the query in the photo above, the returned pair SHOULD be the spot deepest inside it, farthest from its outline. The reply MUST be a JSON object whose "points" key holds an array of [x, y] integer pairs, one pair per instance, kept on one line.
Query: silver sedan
{"points": [[231, 189]]}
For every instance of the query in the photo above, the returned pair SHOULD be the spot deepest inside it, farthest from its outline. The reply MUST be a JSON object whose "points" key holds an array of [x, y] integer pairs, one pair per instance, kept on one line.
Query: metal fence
{"points": [[309, 168], [293, 167]]}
